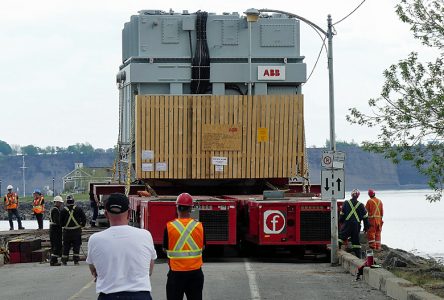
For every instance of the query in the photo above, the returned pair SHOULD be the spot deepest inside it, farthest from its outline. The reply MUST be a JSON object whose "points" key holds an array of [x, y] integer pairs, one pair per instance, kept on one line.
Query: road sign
{"points": [[327, 159], [333, 184], [333, 159]]}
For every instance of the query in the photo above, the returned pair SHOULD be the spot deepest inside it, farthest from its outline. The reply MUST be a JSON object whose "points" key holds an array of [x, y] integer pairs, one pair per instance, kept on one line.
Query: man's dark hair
{"points": [[183, 208]]}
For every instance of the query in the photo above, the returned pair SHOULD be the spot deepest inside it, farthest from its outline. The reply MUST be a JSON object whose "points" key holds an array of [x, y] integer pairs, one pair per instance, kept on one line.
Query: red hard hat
{"points": [[184, 199], [371, 193]]}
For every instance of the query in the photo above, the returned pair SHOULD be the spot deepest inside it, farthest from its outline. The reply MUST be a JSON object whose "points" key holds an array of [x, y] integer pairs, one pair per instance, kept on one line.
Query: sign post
{"points": [[333, 188]]}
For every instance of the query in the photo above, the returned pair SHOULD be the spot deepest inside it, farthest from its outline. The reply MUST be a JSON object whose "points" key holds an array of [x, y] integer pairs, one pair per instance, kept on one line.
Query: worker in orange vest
{"points": [[375, 212], [184, 242], [38, 207], [11, 203]]}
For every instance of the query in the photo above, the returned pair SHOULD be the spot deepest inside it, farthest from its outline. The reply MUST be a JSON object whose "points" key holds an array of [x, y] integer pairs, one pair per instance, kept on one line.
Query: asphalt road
{"points": [[228, 278]]}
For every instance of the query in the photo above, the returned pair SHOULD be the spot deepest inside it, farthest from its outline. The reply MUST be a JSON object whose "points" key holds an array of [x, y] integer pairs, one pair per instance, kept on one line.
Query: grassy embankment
{"points": [[77, 197]]}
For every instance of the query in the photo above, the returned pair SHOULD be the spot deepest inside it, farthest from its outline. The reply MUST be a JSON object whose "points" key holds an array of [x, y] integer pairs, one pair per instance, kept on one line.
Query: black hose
{"points": [[200, 65]]}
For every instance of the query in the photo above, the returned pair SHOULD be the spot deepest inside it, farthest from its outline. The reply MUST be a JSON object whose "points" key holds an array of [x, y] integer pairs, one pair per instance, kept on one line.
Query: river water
{"points": [[410, 222]]}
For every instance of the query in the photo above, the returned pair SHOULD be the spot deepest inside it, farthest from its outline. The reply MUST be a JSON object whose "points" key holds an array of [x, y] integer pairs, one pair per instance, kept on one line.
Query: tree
{"points": [[80, 148], [16, 149], [5, 149], [410, 110], [30, 150]]}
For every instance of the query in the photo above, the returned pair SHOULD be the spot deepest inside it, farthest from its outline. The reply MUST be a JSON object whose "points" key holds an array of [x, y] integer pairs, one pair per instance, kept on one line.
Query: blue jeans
{"points": [[143, 295]]}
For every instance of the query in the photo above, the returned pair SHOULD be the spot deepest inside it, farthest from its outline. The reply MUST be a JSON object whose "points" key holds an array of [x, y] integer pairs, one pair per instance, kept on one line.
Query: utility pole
{"points": [[23, 167], [331, 94], [329, 35], [53, 189]]}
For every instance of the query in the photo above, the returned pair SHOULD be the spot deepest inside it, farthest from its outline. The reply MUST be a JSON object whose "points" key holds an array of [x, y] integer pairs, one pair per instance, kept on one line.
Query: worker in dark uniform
{"points": [[95, 209], [55, 231], [72, 219], [352, 213], [184, 242]]}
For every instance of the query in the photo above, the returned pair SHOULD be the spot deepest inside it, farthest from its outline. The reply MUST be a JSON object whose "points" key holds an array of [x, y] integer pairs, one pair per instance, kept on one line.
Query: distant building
{"points": [[78, 180]]}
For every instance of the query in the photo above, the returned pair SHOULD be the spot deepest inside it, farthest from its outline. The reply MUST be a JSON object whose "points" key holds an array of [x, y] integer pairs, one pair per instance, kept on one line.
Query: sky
{"points": [[59, 60]]}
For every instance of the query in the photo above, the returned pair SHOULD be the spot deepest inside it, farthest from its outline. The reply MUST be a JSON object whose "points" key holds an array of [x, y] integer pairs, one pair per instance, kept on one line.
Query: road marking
{"points": [[87, 286], [254, 290]]}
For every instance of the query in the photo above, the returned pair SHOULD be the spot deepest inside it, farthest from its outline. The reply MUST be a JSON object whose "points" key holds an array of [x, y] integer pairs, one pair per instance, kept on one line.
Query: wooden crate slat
{"points": [[291, 122], [234, 155], [194, 139], [145, 135], [189, 114], [208, 101], [179, 138], [138, 134], [301, 149], [266, 159], [271, 137], [285, 136]]}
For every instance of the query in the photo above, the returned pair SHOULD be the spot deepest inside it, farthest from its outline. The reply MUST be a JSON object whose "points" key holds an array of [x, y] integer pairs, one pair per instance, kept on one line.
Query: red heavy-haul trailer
{"points": [[212, 105]]}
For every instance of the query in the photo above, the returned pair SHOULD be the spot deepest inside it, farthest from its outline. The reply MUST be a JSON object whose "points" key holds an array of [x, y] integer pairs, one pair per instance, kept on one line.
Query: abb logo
{"points": [[274, 221], [271, 73], [233, 129]]}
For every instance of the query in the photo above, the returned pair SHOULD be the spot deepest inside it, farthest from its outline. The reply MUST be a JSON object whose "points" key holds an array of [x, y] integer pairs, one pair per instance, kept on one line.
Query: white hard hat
{"points": [[58, 199], [10, 187]]}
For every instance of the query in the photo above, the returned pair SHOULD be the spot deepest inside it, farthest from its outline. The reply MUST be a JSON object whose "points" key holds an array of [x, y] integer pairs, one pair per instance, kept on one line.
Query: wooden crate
{"points": [[216, 137], [40, 255]]}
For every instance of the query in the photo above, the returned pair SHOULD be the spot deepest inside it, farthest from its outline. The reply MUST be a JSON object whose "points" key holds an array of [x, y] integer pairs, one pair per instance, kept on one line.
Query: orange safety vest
{"points": [[185, 244], [374, 208], [38, 207], [11, 200]]}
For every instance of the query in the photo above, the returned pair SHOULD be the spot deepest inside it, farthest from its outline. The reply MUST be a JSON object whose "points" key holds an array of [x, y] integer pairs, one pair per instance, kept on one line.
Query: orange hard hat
{"points": [[371, 193], [184, 199]]}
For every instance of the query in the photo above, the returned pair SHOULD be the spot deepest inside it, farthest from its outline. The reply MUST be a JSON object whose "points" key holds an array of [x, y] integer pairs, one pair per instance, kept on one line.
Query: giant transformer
{"points": [[209, 99]]}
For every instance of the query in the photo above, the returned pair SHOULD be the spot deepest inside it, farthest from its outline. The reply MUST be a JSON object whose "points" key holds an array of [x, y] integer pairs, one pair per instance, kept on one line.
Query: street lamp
{"points": [[329, 35], [0, 186], [53, 190]]}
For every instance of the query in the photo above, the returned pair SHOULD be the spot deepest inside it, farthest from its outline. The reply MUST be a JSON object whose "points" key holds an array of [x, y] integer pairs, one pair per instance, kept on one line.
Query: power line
{"points": [[320, 51], [317, 60], [350, 13]]}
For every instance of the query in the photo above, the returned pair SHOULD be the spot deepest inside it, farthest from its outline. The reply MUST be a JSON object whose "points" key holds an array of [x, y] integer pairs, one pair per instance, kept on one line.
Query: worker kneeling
{"points": [[184, 242]]}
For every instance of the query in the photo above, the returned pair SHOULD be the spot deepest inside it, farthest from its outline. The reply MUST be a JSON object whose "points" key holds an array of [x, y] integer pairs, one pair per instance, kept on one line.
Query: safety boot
{"points": [[64, 261], [56, 263]]}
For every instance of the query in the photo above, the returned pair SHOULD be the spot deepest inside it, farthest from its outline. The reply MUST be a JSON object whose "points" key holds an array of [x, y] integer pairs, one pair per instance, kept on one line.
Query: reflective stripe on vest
{"points": [[11, 201], [71, 218], [185, 238], [38, 208], [353, 211], [377, 213]]}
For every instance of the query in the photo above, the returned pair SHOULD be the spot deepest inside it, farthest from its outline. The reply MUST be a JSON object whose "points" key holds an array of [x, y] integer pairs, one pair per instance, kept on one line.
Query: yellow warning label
{"points": [[262, 134]]}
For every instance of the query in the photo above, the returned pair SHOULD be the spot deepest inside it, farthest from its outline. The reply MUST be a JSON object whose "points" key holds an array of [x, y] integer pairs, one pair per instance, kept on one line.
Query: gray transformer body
{"points": [[158, 50]]}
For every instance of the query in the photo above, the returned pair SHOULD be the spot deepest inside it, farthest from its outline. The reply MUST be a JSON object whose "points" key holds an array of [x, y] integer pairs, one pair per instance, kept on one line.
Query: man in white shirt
{"points": [[121, 258]]}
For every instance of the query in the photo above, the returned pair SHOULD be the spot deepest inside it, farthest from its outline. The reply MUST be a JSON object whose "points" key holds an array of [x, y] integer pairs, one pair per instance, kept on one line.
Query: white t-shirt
{"points": [[121, 256]]}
